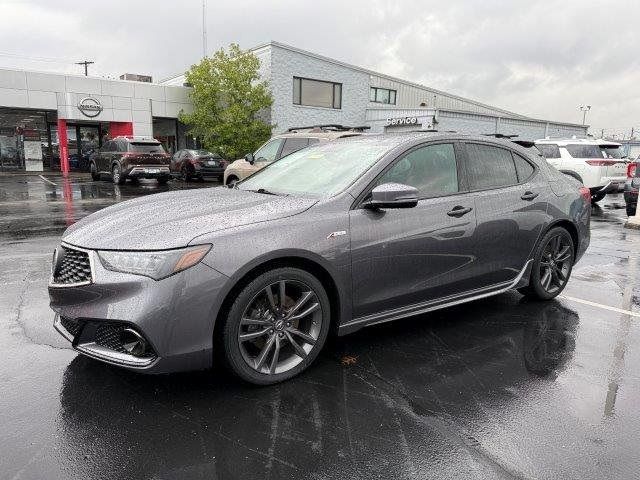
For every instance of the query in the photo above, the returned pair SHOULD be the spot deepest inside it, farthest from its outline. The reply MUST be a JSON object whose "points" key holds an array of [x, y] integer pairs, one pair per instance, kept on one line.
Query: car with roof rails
{"points": [[588, 161], [282, 145], [130, 157], [334, 237]]}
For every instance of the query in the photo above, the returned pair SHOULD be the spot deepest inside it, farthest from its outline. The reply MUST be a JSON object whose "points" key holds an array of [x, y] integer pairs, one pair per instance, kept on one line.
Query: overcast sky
{"points": [[538, 58]]}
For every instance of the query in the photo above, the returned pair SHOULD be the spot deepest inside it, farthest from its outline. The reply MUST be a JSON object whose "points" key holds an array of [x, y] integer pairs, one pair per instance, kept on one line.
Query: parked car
{"points": [[341, 235], [631, 187], [131, 157], [282, 145], [584, 160], [189, 164]]}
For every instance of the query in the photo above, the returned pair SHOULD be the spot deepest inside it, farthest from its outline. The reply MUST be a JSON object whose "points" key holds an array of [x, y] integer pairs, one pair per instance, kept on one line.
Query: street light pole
{"points": [[204, 28], [584, 109]]}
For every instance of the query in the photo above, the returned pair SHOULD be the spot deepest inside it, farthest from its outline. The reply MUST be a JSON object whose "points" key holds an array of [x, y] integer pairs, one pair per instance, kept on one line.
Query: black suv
{"points": [[631, 187], [131, 157]]}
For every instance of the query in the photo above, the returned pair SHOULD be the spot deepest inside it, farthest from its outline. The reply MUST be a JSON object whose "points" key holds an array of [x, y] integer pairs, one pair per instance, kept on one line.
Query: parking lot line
{"points": [[46, 179], [600, 305]]}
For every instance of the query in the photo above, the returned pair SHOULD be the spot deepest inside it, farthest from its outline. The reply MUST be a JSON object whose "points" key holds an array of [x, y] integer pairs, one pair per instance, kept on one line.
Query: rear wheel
{"points": [[231, 181], [187, 173], [163, 180], [116, 174], [596, 197], [277, 326], [95, 176], [552, 264], [631, 211]]}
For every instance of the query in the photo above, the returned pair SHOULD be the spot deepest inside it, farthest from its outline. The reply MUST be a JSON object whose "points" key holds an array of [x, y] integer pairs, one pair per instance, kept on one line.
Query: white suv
{"points": [[598, 164]]}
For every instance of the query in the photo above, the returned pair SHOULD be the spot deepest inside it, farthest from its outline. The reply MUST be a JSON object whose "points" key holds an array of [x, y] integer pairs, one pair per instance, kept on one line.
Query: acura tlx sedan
{"points": [[337, 236]]}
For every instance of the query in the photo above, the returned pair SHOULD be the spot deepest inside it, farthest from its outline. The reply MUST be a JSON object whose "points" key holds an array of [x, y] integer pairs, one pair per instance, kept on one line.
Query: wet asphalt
{"points": [[498, 388]]}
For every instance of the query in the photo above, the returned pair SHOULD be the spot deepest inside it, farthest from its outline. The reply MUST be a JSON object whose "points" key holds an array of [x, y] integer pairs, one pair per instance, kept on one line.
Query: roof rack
{"points": [[330, 127], [499, 135], [431, 130]]}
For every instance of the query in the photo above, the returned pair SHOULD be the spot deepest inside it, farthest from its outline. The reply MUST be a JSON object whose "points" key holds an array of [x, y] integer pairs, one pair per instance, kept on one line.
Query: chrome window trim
{"points": [[89, 253]]}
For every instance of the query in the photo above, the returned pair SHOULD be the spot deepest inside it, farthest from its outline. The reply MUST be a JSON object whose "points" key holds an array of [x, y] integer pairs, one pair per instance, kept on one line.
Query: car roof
{"points": [[136, 139], [567, 141], [320, 134]]}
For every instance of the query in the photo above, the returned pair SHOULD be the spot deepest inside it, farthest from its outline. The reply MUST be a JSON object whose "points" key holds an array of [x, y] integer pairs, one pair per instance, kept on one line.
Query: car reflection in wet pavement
{"points": [[498, 388]]}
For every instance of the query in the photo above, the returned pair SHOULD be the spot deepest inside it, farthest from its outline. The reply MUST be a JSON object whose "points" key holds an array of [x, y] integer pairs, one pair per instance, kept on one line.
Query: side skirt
{"points": [[521, 280]]}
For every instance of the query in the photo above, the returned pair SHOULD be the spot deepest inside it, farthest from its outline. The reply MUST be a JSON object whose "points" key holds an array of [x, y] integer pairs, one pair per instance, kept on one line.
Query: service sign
{"points": [[90, 107], [402, 121]]}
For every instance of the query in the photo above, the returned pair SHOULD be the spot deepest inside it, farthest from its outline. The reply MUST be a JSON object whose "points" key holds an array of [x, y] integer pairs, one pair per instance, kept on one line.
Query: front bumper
{"points": [[148, 171], [176, 316]]}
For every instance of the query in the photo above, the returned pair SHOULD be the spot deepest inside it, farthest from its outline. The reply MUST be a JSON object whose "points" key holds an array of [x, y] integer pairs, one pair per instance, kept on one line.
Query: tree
{"points": [[228, 98]]}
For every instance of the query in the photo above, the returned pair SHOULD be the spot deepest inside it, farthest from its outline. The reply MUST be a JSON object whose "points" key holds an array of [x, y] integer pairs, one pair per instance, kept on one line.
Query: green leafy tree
{"points": [[228, 99]]}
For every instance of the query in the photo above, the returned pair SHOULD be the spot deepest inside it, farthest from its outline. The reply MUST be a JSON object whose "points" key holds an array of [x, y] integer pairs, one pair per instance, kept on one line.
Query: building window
{"points": [[382, 95], [317, 93]]}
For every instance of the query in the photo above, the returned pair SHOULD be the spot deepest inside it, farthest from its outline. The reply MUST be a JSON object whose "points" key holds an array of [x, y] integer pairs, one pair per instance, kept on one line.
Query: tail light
{"points": [[598, 163], [128, 154], [586, 194], [631, 169]]}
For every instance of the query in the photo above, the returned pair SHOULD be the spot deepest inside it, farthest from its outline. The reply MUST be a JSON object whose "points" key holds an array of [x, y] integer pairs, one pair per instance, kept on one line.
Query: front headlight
{"points": [[156, 264]]}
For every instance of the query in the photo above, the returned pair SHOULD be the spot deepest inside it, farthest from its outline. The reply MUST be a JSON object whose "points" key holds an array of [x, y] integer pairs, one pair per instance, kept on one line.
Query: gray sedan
{"points": [[337, 237]]}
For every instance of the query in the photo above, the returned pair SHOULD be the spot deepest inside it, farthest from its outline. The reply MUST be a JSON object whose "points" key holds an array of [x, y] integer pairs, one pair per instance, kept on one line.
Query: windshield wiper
{"points": [[263, 191]]}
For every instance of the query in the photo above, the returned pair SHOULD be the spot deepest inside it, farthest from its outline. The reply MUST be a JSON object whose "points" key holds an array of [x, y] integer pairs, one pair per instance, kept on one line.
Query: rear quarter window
{"points": [[584, 151], [146, 147]]}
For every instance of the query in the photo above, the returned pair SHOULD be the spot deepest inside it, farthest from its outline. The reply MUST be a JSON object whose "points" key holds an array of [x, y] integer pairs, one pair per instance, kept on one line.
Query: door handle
{"points": [[459, 211], [528, 195]]}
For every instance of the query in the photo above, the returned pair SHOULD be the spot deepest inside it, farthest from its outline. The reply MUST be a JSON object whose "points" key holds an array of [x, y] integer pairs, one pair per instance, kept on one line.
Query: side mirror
{"points": [[249, 158], [393, 195]]}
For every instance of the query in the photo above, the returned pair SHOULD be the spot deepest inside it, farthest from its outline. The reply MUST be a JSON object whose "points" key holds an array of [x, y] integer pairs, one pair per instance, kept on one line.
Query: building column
{"points": [[63, 146], [120, 129]]}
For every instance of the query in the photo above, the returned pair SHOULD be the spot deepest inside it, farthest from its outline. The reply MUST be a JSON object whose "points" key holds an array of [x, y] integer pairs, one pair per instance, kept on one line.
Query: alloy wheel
{"points": [[280, 327], [116, 174], [555, 263]]}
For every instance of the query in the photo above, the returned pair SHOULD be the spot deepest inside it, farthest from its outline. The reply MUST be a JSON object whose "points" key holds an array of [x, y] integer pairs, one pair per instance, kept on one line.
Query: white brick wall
{"points": [[286, 64]]}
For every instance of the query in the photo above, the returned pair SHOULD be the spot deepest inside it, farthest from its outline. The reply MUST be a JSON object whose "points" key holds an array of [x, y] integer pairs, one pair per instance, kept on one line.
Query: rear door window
{"points": [[549, 151], [293, 144], [489, 167]]}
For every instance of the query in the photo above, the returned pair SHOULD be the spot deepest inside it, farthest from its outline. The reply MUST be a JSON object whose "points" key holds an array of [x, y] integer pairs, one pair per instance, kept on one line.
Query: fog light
{"points": [[133, 342]]}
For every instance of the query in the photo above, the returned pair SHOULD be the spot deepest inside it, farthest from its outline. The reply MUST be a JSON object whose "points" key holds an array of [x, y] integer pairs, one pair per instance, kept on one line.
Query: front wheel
{"points": [[95, 176], [116, 174], [231, 181], [277, 326], [552, 265]]}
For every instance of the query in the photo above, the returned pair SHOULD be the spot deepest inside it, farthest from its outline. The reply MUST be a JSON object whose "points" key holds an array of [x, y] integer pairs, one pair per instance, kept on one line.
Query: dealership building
{"points": [[44, 116]]}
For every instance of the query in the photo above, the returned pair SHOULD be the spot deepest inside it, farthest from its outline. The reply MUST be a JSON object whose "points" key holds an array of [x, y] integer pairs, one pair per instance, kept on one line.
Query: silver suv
{"points": [[284, 144]]}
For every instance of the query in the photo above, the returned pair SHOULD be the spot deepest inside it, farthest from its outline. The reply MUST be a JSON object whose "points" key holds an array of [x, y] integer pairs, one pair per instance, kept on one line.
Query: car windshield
{"points": [[146, 147], [321, 170], [578, 150], [612, 151]]}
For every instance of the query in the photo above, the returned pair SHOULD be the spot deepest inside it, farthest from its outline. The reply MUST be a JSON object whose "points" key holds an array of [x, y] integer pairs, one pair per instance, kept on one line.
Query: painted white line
{"points": [[600, 305], [46, 180]]}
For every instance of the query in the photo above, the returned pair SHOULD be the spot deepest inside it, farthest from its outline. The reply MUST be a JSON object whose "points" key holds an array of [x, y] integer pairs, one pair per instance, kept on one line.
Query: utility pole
{"points": [[86, 64], [584, 109], [204, 28]]}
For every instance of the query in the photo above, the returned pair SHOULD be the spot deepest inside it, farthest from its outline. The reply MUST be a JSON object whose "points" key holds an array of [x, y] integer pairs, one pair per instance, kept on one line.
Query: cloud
{"points": [[542, 58]]}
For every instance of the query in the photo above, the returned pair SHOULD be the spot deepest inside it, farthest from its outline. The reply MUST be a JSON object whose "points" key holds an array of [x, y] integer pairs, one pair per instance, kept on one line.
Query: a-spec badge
{"points": [[336, 234]]}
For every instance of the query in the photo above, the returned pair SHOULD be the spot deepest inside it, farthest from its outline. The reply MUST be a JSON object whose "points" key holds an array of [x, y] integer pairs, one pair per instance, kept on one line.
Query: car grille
{"points": [[70, 325], [108, 336], [74, 267]]}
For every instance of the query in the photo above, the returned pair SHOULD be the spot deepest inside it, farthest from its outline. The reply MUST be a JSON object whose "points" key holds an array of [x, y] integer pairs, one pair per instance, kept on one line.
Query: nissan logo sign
{"points": [[402, 121], [90, 107]]}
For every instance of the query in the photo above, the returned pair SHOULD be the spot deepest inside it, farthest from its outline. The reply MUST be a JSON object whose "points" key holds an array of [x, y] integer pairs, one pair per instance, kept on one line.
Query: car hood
{"points": [[173, 219]]}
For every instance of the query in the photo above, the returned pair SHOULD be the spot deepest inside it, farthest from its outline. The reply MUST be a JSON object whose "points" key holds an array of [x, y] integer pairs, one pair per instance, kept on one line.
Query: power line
{"points": [[34, 58]]}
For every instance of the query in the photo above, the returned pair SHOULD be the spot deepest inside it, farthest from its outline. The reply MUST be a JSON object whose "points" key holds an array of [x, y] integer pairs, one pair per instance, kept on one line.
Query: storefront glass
{"points": [[23, 134]]}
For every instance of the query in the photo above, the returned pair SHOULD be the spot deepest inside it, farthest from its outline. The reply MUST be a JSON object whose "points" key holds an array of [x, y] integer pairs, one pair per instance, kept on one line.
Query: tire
{"points": [[540, 286], [162, 180], [231, 181], [631, 210], [596, 197], [116, 174], [95, 176], [186, 173], [272, 329]]}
